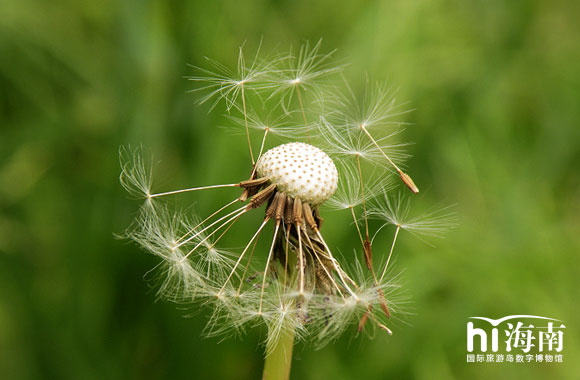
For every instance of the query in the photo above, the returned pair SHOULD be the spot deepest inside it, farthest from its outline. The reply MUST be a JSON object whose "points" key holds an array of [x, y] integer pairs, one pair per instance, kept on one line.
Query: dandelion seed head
{"points": [[301, 170], [291, 283]]}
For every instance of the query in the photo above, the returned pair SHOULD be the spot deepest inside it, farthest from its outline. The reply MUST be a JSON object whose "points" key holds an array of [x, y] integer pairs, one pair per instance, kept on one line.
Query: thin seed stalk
{"points": [[362, 189], [391, 251], [278, 362], [246, 122], [407, 180], [302, 110], [362, 243], [380, 149], [261, 149]]}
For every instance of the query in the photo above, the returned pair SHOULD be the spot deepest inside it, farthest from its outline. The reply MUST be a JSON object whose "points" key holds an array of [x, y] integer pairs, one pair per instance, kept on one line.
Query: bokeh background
{"points": [[495, 88]]}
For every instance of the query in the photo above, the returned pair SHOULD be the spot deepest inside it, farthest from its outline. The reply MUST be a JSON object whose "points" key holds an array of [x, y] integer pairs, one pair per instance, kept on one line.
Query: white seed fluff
{"points": [[301, 170]]}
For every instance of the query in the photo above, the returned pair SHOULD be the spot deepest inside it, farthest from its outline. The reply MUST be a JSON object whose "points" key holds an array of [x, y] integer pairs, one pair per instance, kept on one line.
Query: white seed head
{"points": [[301, 170]]}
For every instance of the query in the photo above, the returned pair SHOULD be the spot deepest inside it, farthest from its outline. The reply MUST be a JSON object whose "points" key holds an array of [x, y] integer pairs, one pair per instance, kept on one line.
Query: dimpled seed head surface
{"points": [[301, 170]]}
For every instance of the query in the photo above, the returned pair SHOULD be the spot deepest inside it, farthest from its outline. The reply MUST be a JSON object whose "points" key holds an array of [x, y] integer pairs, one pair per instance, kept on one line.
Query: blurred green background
{"points": [[496, 90]]}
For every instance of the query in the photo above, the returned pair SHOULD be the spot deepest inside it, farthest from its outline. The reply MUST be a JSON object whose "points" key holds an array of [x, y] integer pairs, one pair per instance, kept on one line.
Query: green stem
{"points": [[277, 366]]}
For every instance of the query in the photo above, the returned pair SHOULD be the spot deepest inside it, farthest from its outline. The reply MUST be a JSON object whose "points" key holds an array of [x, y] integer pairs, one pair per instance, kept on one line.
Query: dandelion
{"points": [[293, 282]]}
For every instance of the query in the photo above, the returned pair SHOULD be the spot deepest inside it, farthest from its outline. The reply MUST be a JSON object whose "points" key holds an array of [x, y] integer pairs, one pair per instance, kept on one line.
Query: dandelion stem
{"points": [[278, 362], [191, 189], [246, 122], [391, 251], [299, 95]]}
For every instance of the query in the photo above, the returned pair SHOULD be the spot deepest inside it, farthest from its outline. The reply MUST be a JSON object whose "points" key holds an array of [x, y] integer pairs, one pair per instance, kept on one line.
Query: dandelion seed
{"points": [[396, 211], [376, 108], [156, 230], [303, 71], [352, 145], [223, 83]]}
